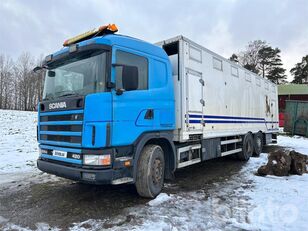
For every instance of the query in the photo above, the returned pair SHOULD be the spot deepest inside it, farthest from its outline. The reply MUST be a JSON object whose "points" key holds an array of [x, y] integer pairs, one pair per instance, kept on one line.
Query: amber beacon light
{"points": [[102, 30]]}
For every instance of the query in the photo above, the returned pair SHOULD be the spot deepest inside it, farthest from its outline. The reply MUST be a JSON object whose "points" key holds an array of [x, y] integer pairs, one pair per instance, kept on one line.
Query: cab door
{"points": [[131, 97]]}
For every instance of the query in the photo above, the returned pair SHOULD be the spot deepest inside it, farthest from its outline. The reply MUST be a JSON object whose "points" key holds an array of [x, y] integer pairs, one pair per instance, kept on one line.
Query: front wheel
{"points": [[150, 172]]}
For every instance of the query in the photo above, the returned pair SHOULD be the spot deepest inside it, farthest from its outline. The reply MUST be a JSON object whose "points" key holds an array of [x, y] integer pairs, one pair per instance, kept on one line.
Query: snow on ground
{"points": [[161, 198], [18, 145], [19, 148], [298, 143], [280, 202]]}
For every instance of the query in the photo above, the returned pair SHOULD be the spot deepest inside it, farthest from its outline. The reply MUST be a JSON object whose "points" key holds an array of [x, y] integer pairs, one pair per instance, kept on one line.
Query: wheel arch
{"points": [[164, 140]]}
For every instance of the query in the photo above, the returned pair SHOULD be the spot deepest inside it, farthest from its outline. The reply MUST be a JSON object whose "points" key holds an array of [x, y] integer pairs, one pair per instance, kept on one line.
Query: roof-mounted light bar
{"points": [[102, 30]]}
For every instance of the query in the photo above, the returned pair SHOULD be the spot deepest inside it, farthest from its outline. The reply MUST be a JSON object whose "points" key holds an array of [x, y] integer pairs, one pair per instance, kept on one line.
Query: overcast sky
{"points": [[225, 26]]}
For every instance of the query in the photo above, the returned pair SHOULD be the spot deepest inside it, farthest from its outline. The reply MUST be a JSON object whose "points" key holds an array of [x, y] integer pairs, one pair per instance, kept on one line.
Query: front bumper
{"points": [[91, 176]]}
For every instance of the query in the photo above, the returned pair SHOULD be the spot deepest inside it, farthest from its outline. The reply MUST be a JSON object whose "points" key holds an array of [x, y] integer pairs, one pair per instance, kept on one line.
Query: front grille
{"points": [[69, 117], [69, 139], [66, 128]]}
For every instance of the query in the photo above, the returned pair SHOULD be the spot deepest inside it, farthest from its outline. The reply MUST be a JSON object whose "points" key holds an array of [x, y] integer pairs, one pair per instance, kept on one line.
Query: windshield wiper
{"points": [[69, 94], [49, 97]]}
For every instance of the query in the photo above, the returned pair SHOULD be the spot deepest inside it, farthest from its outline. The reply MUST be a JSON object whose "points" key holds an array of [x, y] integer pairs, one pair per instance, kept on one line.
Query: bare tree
{"points": [[6, 75], [250, 57], [20, 87]]}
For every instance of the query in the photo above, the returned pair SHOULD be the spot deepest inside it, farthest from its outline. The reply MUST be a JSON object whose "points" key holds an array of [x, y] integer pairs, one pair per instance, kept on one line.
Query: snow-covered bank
{"points": [[280, 203], [18, 145], [298, 143]]}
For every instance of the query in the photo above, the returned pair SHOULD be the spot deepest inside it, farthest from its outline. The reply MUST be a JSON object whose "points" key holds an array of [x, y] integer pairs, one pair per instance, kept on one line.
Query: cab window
{"points": [[132, 67]]}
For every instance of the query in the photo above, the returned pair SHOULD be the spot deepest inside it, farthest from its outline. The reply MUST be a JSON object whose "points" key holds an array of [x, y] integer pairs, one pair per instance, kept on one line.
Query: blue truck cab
{"points": [[107, 100]]}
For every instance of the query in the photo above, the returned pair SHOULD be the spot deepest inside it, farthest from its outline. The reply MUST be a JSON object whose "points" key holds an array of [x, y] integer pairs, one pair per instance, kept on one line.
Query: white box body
{"points": [[215, 97]]}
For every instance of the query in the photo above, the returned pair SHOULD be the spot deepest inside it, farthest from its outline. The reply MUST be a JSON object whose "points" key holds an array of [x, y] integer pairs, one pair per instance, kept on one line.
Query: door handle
{"points": [[149, 115]]}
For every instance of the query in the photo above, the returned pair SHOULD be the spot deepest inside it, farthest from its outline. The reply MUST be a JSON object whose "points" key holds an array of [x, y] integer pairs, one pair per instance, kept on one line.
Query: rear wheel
{"points": [[247, 149], [258, 144], [150, 172]]}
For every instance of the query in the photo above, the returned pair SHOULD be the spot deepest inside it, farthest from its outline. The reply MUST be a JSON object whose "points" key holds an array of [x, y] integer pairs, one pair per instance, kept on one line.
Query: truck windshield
{"points": [[81, 75]]}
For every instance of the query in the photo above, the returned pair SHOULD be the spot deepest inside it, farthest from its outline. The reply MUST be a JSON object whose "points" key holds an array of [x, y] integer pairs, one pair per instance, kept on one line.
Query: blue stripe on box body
{"points": [[227, 119]]}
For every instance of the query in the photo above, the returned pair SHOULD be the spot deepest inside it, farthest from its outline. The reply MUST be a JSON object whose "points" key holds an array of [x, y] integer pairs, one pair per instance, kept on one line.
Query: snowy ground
{"points": [[279, 203], [18, 148], [240, 201], [17, 141]]}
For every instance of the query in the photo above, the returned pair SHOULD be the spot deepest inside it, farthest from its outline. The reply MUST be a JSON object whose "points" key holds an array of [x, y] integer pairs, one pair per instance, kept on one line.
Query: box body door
{"points": [[194, 100]]}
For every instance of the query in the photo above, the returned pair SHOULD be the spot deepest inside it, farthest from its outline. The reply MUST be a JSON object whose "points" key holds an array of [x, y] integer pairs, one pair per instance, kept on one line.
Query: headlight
{"points": [[97, 160], [42, 151]]}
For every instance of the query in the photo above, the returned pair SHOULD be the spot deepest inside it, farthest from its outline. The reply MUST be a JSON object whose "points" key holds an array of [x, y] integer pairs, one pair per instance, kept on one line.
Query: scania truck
{"points": [[116, 109]]}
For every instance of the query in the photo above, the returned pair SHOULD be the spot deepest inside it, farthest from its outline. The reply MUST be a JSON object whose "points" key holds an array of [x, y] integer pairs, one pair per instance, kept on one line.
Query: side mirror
{"points": [[37, 69], [130, 78], [51, 73]]}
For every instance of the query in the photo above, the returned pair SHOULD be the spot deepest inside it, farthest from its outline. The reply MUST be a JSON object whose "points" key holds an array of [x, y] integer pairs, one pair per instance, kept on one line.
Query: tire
{"points": [[258, 144], [150, 172], [247, 149]]}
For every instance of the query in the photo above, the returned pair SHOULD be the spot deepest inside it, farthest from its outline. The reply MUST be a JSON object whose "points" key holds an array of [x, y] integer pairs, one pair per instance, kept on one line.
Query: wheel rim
{"points": [[157, 171]]}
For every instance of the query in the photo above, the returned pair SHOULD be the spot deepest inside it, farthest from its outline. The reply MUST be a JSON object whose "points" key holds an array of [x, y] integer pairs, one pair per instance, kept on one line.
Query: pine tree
{"points": [[270, 65], [277, 75], [300, 71], [265, 55]]}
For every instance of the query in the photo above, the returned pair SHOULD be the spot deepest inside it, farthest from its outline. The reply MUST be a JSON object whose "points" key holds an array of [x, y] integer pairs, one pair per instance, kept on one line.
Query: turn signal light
{"points": [[105, 160]]}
